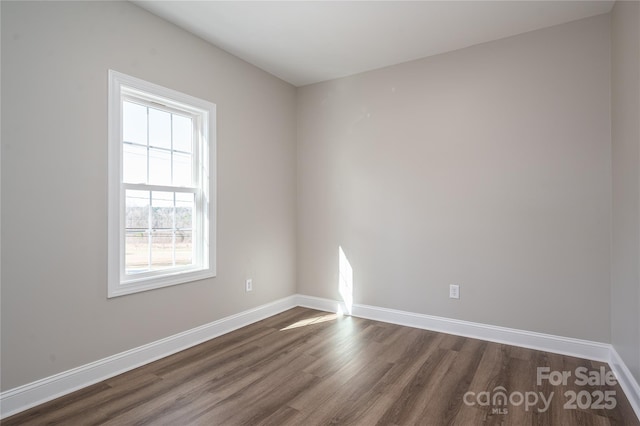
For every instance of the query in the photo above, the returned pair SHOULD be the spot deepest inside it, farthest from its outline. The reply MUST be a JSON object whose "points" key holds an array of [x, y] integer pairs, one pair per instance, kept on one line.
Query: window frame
{"points": [[124, 87]]}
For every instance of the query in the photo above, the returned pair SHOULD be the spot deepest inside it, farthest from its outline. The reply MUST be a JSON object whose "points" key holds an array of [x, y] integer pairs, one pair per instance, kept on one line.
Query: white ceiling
{"points": [[305, 42]]}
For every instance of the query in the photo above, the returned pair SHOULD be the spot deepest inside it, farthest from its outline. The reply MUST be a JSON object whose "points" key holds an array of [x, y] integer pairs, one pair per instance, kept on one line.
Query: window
{"points": [[161, 186]]}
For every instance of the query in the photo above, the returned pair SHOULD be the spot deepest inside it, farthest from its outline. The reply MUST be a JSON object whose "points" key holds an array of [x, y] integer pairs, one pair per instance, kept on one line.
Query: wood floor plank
{"points": [[248, 398], [337, 408], [284, 416], [420, 389], [448, 400], [324, 390], [490, 374], [306, 367]]}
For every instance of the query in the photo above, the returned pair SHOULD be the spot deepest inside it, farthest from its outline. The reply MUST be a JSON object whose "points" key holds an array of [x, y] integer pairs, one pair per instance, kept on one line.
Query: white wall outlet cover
{"points": [[248, 285], [454, 291]]}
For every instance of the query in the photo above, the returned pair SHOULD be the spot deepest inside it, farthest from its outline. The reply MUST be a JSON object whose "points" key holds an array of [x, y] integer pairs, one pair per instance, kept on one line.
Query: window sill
{"points": [[118, 289]]}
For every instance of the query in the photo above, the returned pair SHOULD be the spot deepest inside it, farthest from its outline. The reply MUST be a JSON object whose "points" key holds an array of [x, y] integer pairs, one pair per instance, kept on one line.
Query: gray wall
{"points": [[487, 167], [55, 57], [625, 263]]}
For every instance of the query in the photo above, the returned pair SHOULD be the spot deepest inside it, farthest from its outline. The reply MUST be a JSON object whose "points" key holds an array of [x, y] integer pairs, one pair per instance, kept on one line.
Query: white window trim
{"points": [[206, 111]]}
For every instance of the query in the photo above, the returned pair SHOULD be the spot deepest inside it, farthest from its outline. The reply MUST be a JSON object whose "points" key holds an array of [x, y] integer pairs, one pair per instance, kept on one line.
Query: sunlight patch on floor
{"points": [[311, 321]]}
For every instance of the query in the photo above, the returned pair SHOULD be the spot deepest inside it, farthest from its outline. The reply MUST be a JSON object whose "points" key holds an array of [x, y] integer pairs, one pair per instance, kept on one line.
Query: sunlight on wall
{"points": [[345, 280]]}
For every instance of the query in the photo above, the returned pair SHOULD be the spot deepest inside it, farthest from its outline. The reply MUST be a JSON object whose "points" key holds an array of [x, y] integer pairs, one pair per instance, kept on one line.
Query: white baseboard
{"points": [[510, 336], [628, 383], [527, 339], [320, 304], [24, 397]]}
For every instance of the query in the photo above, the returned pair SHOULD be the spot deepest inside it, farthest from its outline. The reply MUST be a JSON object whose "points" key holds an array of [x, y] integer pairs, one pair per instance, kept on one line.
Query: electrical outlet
{"points": [[454, 291], [248, 285]]}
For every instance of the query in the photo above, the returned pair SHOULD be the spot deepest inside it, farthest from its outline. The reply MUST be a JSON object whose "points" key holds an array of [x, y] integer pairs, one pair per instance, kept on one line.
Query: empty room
{"points": [[320, 212]]}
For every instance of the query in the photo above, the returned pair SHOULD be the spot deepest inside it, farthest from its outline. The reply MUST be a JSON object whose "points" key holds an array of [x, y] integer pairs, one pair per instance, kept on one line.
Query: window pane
{"points": [[162, 233], [159, 128], [184, 211], [162, 210], [137, 205], [182, 133], [185, 203], [159, 167], [134, 164], [184, 248], [161, 249], [134, 123], [182, 174], [137, 251], [136, 232]]}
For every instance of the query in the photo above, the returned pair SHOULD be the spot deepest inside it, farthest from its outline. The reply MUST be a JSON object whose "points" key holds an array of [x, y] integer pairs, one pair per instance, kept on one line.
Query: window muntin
{"points": [[159, 186]]}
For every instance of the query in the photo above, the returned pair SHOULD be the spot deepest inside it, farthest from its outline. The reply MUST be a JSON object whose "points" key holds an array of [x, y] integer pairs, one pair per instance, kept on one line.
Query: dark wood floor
{"points": [[305, 367]]}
